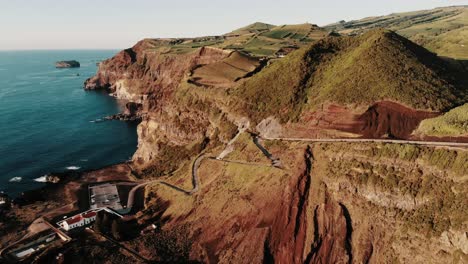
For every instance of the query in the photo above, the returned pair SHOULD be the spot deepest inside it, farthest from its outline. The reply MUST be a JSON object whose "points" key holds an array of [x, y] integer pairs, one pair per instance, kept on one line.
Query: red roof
{"points": [[89, 214], [74, 220]]}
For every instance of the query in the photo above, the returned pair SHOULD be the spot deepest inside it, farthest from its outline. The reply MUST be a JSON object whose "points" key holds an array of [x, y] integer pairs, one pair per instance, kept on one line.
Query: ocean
{"points": [[49, 123]]}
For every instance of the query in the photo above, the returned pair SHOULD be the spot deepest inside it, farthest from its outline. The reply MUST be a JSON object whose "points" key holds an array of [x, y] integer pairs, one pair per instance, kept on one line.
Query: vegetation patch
{"points": [[379, 65], [410, 173], [452, 123]]}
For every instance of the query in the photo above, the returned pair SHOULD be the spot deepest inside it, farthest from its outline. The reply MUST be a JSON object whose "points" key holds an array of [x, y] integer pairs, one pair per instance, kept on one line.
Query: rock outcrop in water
{"points": [[67, 64]]}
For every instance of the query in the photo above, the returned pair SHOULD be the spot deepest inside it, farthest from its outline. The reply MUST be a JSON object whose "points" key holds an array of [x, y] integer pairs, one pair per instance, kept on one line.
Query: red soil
{"points": [[389, 119], [383, 119]]}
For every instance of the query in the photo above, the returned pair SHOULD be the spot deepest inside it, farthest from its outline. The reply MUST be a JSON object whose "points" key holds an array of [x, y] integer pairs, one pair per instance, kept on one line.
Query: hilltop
{"points": [[254, 28], [378, 65], [258, 39], [441, 30], [271, 39]]}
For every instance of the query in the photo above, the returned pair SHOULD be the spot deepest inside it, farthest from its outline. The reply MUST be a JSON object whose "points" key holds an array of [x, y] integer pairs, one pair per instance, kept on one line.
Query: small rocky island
{"points": [[67, 64]]}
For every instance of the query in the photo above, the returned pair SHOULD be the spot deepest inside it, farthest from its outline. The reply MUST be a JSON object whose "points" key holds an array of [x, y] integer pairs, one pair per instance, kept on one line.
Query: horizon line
{"points": [[209, 35], [61, 49]]}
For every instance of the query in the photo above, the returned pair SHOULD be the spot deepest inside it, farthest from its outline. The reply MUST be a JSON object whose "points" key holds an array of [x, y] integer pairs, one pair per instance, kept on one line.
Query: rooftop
{"points": [[74, 219]]}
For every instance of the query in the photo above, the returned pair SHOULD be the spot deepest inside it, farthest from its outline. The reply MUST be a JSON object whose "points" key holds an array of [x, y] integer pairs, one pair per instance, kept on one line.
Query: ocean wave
{"points": [[16, 179], [41, 179], [73, 168]]}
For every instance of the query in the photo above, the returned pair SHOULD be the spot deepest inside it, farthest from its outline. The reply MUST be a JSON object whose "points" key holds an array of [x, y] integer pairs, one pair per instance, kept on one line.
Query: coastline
{"points": [[47, 119], [56, 199]]}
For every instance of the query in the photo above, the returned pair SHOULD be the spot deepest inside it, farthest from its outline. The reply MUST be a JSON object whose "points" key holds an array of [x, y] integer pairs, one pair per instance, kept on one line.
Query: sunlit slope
{"points": [[378, 65]]}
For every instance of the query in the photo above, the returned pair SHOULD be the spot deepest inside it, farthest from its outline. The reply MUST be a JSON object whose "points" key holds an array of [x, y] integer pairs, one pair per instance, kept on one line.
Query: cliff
{"points": [[327, 204], [302, 203], [375, 85], [174, 118]]}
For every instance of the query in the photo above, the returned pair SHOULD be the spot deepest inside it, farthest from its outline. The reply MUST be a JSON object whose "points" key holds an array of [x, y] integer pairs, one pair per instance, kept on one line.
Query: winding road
{"points": [[195, 182], [275, 162]]}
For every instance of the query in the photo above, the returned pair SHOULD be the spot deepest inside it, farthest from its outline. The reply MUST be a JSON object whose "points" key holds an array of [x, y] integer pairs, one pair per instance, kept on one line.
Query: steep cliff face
{"points": [[327, 205], [142, 72], [337, 87], [151, 78]]}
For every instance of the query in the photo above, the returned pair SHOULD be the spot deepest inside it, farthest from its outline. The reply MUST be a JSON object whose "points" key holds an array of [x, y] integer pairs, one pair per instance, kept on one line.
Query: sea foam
{"points": [[73, 168], [16, 179], [41, 179]]}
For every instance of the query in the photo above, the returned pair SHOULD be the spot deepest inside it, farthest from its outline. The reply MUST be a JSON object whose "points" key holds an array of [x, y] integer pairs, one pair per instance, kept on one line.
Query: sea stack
{"points": [[67, 64]]}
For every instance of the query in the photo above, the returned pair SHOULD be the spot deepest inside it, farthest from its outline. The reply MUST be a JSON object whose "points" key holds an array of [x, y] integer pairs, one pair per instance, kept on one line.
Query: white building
{"points": [[83, 219], [79, 220]]}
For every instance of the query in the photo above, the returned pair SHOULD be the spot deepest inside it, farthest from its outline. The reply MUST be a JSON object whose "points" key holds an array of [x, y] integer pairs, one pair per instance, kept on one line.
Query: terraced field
{"points": [[441, 30]]}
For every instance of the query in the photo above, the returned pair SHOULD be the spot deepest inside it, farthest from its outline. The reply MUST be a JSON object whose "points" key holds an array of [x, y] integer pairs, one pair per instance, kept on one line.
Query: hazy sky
{"points": [[109, 24]]}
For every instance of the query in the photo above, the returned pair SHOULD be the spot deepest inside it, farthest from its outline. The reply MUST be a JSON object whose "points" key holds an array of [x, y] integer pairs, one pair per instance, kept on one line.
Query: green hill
{"points": [[452, 123], [262, 39], [378, 65], [441, 30], [256, 27], [299, 31], [258, 39]]}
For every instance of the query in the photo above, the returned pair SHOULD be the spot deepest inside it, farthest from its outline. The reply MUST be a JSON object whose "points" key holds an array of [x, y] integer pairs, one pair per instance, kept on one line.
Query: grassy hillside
{"points": [[268, 41], [256, 27], [351, 70], [258, 39], [452, 123], [441, 30], [299, 32]]}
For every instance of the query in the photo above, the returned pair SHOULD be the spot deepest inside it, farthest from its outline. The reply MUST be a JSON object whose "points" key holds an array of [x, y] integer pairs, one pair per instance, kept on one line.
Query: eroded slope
{"points": [[328, 204]]}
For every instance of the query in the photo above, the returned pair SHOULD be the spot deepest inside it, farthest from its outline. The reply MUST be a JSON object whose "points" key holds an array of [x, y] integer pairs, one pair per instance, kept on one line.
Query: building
{"points": [[41, 235], [78, 220], [83, 219], [104, 195]]}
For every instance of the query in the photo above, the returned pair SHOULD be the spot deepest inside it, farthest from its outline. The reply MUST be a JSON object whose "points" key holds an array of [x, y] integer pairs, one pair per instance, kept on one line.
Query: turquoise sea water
{"points": [[46, 119]]}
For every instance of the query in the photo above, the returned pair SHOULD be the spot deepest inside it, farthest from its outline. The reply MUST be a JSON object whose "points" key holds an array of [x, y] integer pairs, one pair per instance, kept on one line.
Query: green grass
{"points": [[409, 172], [252, 28], [442, 30], [452, 123], [379, 65], [298, 31], [276, 89], [443, 159]]}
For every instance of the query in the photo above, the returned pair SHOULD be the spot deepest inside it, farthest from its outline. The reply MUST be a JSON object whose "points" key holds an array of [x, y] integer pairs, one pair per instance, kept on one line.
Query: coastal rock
{"points": [[131, 113], [123, 117], [53, 179], [67, 64]]}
